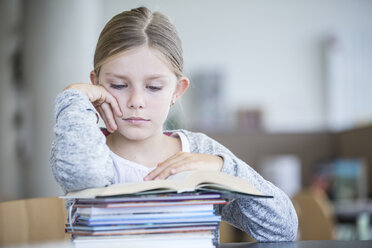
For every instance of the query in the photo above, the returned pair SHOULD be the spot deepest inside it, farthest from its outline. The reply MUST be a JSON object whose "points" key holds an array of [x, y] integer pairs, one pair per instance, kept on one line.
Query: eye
{"points": [[118, 86], [153, 88]]}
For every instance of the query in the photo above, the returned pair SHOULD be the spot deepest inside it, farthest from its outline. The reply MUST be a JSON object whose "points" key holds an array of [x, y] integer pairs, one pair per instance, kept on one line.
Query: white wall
{"points": [[10, 17], [60, 38], [271, 50]]}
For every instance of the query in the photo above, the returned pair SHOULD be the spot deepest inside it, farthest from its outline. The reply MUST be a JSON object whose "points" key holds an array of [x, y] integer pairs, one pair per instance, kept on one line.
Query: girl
{"points": [[137, 77]]}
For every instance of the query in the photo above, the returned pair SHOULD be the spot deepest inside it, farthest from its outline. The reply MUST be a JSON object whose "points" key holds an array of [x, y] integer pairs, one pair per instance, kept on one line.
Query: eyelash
{"points": [[153, 88], [122, 86], [118, 86]]}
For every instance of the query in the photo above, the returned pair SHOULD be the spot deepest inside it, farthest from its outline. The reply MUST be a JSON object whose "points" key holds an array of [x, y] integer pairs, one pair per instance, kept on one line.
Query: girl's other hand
{"points": [[183, 161], [105, 103]]}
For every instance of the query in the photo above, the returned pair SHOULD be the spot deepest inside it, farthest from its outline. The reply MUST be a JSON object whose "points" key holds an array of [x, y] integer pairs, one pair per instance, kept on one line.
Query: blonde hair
{"points": [[137, 27]]}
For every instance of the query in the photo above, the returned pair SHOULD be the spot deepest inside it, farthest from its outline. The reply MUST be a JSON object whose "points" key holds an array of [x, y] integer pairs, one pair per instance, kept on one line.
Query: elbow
{"points": [[289, 227], [87, 174], [289, 232], [294, 228], [284, 229], [75, 182], [286, 233], [286, 226]]}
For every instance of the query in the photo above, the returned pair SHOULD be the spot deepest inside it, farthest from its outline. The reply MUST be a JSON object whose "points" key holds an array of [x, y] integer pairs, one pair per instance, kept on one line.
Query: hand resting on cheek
{"points": [[105, 103]]}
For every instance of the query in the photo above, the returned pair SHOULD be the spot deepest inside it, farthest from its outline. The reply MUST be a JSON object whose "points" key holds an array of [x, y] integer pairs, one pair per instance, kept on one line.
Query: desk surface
{"points": [[296, 244], [303, 244]]}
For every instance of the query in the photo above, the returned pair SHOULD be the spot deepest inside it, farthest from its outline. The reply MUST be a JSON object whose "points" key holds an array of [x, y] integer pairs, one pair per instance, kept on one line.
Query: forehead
{"points": [[141, 60]]}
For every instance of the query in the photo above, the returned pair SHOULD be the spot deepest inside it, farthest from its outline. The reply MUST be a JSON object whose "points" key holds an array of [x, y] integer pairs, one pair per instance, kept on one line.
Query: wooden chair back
{"points": [[315, 216], [32, 220]]}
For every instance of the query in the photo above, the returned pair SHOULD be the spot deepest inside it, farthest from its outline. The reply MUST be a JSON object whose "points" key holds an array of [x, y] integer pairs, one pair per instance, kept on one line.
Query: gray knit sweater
{"points": [[80, 159]]}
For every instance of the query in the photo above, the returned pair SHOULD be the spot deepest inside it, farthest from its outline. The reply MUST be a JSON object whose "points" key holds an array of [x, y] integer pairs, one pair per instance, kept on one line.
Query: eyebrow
{"points": [[150, 77], [116, 75]]}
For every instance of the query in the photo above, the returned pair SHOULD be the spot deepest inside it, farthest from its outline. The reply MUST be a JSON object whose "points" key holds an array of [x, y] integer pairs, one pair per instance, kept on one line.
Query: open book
{"points": [[189, 181]]}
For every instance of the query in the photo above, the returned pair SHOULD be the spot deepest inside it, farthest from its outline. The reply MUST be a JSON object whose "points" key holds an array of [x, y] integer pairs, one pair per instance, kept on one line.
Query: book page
{"points": [[219, 180], [187, 181], [125, 188], [181, 177]]}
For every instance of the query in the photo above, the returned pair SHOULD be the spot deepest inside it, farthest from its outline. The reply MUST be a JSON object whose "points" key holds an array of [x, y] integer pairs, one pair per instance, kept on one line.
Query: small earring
{"points": [[172, 103]]}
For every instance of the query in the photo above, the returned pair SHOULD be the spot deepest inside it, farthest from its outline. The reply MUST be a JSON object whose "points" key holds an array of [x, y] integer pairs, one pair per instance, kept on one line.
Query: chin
{"points": [[135, 134]]}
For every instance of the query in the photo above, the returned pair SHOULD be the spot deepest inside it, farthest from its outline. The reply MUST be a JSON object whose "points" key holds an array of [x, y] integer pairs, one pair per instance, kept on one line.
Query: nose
{"points": [[136, 100]]}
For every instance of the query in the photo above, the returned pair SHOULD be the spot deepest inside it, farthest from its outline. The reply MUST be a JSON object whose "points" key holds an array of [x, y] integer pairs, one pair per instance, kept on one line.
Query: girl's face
{"points": [[144, 86]]}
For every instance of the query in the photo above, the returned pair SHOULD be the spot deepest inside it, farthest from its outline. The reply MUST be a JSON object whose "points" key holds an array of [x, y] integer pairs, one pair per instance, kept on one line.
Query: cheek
{"points": [[120, 97], [160, 106], [161, 103]]}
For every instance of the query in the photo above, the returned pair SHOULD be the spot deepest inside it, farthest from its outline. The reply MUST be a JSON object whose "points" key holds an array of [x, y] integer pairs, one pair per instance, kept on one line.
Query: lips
{"points": [[136, 120]]}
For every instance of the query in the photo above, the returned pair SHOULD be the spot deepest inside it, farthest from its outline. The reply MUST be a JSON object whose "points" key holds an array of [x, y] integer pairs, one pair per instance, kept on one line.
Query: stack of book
{"points": [[178, 212], [147, 219]]}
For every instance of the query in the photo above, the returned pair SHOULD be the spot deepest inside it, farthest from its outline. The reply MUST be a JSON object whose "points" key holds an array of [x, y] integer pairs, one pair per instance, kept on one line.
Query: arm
{"points": [[264, 219], [79, 155]]}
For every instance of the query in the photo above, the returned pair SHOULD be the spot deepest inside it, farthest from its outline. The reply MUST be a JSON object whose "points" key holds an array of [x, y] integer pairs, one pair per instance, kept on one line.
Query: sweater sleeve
{"points": [[79, 154], [265, 219]]}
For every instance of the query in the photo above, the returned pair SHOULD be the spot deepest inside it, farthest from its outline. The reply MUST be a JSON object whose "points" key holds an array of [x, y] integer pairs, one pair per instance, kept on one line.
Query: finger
{"points": [[161, 166], [109, 115], [110, 99], [183, 167], [170, 170], [154, 173], [98, 107], [103, 116], [179, 156], [163, 174]]}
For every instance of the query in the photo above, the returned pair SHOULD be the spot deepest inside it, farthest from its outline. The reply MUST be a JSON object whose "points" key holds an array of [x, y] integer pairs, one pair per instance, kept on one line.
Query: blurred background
{"points": [[285, 85]]}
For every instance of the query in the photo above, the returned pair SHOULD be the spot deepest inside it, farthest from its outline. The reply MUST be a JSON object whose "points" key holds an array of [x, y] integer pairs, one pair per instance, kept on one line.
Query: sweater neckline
{"points": [[185, 147]]}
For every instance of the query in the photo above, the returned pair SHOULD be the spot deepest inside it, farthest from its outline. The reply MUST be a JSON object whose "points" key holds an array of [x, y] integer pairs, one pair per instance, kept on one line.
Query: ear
{"points": [[93, 78], [182, 85]]}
